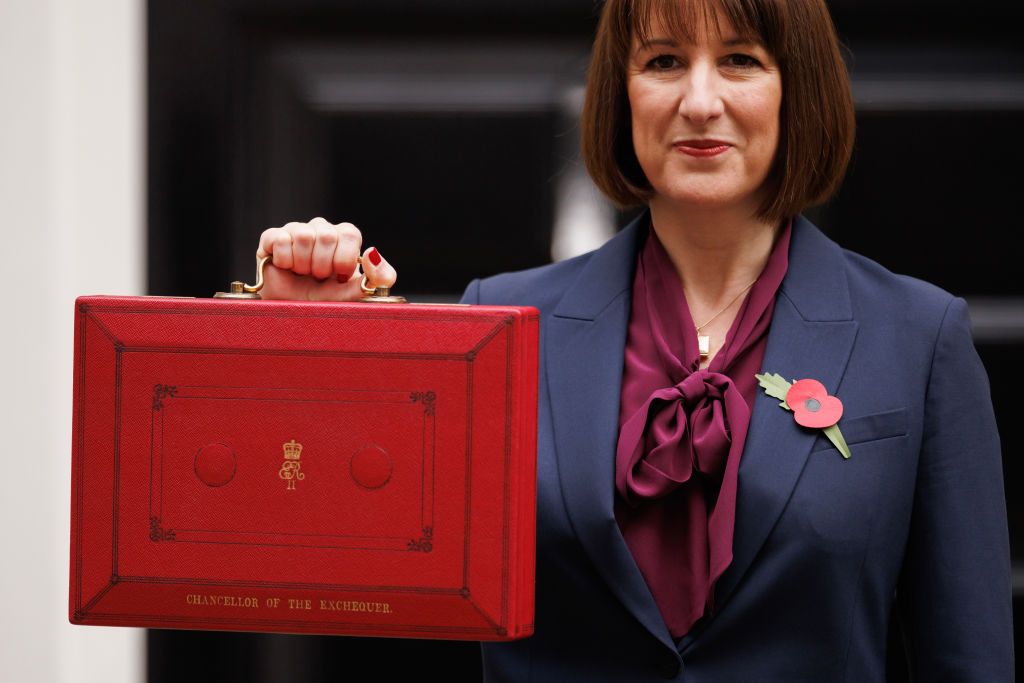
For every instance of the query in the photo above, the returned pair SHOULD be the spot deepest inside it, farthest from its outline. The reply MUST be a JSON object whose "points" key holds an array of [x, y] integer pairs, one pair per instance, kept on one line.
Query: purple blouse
{"points": [[682, 430]]}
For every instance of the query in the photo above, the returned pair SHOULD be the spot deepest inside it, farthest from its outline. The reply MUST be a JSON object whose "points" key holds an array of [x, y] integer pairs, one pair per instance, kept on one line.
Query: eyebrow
{"points": [[669, 42]]}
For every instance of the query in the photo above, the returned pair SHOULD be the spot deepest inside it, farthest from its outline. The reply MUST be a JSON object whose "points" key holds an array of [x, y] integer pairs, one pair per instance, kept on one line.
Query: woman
{"points": [[688, 527]]}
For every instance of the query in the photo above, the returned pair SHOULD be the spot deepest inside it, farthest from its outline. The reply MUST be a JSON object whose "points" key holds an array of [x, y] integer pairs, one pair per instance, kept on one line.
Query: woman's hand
{"points": [[316, 261]]}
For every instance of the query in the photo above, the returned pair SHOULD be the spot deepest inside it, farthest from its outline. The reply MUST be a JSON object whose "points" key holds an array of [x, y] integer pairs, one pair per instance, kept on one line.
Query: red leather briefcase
{"points": [[339, 468]]}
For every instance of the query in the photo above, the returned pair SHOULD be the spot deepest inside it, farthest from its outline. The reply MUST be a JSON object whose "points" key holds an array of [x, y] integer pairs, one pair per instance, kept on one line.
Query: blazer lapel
{"points": [[811, 336], [584, 350]]}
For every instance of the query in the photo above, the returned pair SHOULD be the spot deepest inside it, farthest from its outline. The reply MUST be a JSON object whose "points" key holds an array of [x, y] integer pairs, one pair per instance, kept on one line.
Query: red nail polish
{"points": [[374, 256]]}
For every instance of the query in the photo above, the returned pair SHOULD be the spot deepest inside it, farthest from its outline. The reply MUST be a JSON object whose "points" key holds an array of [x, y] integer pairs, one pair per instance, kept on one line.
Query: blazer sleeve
{"points": [[472, 293], [954, 596]]}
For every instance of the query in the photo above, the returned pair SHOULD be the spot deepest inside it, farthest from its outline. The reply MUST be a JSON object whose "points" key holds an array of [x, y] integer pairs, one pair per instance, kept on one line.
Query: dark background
{"points": [[265, 111]]}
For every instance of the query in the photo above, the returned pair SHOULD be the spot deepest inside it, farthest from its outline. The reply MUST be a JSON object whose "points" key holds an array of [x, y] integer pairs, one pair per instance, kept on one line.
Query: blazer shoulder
{"points": [[540, 287], [874, 290], [827, 282]]}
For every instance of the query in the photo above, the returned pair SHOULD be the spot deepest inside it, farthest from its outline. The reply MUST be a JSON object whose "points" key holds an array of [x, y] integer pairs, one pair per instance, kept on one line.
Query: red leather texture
{"points": [[341, 468]]}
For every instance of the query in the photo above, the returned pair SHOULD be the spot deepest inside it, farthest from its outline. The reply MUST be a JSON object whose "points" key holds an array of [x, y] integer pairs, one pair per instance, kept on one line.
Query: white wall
{"points": [[71, 222]]}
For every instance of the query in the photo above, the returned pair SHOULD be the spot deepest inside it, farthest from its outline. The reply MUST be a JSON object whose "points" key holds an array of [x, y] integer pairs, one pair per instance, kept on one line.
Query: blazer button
{"points": [[670, 667]]}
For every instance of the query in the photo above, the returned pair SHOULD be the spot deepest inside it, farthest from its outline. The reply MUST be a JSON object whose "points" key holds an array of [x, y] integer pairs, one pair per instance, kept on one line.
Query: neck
{"points": [[715, 252]]}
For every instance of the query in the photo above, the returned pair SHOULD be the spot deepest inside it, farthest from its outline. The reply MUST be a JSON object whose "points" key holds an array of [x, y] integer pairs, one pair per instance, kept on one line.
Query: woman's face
{"points": [[705, 116]]}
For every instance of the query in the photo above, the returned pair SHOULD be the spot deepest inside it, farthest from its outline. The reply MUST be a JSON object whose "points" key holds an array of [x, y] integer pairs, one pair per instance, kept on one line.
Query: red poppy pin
{"points": [[811, 405]]}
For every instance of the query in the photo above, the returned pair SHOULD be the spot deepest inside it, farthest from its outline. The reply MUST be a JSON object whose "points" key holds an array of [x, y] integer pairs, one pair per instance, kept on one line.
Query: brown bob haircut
{"points": [[816, 121]]}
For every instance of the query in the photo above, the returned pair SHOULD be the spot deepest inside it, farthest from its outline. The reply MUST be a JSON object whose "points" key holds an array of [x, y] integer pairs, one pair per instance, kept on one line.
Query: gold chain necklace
{"points": [[703, 340]]}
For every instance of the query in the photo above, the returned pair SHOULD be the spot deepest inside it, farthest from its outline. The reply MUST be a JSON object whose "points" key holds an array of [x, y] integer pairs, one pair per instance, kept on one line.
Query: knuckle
{"points": [[350, 232], [319, 220], [326, 235], [282, 245], [267, 238], [347, 251], [304, 236]]}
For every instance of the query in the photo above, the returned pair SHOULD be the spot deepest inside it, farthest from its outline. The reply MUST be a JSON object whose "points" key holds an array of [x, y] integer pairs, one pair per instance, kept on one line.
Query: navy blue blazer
{"points": [[824, 548]]}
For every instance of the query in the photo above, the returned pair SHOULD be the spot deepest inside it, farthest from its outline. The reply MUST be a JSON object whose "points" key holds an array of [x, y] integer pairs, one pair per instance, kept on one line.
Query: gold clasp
{"points": [[240, 290]]}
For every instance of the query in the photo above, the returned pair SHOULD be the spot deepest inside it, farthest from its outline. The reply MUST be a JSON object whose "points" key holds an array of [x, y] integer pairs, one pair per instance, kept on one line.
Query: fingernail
{"points": [[374, 256]]}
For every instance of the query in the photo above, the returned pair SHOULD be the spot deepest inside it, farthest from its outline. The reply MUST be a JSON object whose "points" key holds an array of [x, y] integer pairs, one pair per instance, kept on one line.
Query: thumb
{"points": [[378, 272]]}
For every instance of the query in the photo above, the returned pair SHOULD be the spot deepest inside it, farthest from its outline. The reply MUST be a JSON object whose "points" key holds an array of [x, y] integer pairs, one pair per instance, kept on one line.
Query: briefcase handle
{"points": [[240, 290]]}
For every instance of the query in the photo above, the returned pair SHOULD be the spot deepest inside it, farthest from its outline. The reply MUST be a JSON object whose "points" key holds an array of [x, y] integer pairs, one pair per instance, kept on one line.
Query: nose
{"points": [[701, 97]]}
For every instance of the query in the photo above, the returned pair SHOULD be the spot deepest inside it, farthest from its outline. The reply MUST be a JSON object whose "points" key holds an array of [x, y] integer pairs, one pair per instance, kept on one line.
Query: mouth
{"points": [[701, 148], [700, 144]]}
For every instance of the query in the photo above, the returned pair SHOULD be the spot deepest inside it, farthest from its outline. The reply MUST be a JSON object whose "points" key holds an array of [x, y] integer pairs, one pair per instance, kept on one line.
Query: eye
{"points": [[742, 61], [663, 63]]}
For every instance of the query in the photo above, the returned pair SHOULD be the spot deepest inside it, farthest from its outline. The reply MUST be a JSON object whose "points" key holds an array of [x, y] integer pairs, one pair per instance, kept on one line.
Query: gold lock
{"points": [[240, 290]]}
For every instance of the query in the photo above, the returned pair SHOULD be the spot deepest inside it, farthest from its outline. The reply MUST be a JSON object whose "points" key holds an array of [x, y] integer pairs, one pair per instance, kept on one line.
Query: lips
{"points": [[701, 144], [702, 149]]}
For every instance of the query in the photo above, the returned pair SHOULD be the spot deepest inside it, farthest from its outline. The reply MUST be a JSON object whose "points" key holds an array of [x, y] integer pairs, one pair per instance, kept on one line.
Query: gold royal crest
{"points": [[290, 467]]}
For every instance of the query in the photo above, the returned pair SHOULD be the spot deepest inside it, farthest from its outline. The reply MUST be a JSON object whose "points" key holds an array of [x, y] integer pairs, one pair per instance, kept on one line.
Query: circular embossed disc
{"points": [[371, 467], [215, 464]]}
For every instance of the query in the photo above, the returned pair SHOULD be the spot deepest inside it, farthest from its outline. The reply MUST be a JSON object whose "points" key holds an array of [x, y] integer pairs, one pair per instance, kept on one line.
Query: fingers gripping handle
{"points": [[240, 290]]}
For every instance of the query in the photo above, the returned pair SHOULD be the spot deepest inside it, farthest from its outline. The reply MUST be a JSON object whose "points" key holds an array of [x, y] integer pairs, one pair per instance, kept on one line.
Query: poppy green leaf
{"points": [[775, 386], [836, 437]]}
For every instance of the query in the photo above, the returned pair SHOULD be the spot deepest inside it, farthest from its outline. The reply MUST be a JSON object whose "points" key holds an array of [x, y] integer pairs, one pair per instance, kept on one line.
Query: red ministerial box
{"points": [[340, 468]]}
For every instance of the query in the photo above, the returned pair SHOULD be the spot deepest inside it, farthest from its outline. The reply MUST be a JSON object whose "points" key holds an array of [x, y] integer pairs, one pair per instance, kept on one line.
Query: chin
{"points": [[703, 200], [707, 197]]}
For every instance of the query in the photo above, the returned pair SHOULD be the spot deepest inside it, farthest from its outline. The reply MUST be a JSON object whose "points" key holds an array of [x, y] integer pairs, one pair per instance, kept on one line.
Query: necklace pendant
{"points": [[703, 345]]}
